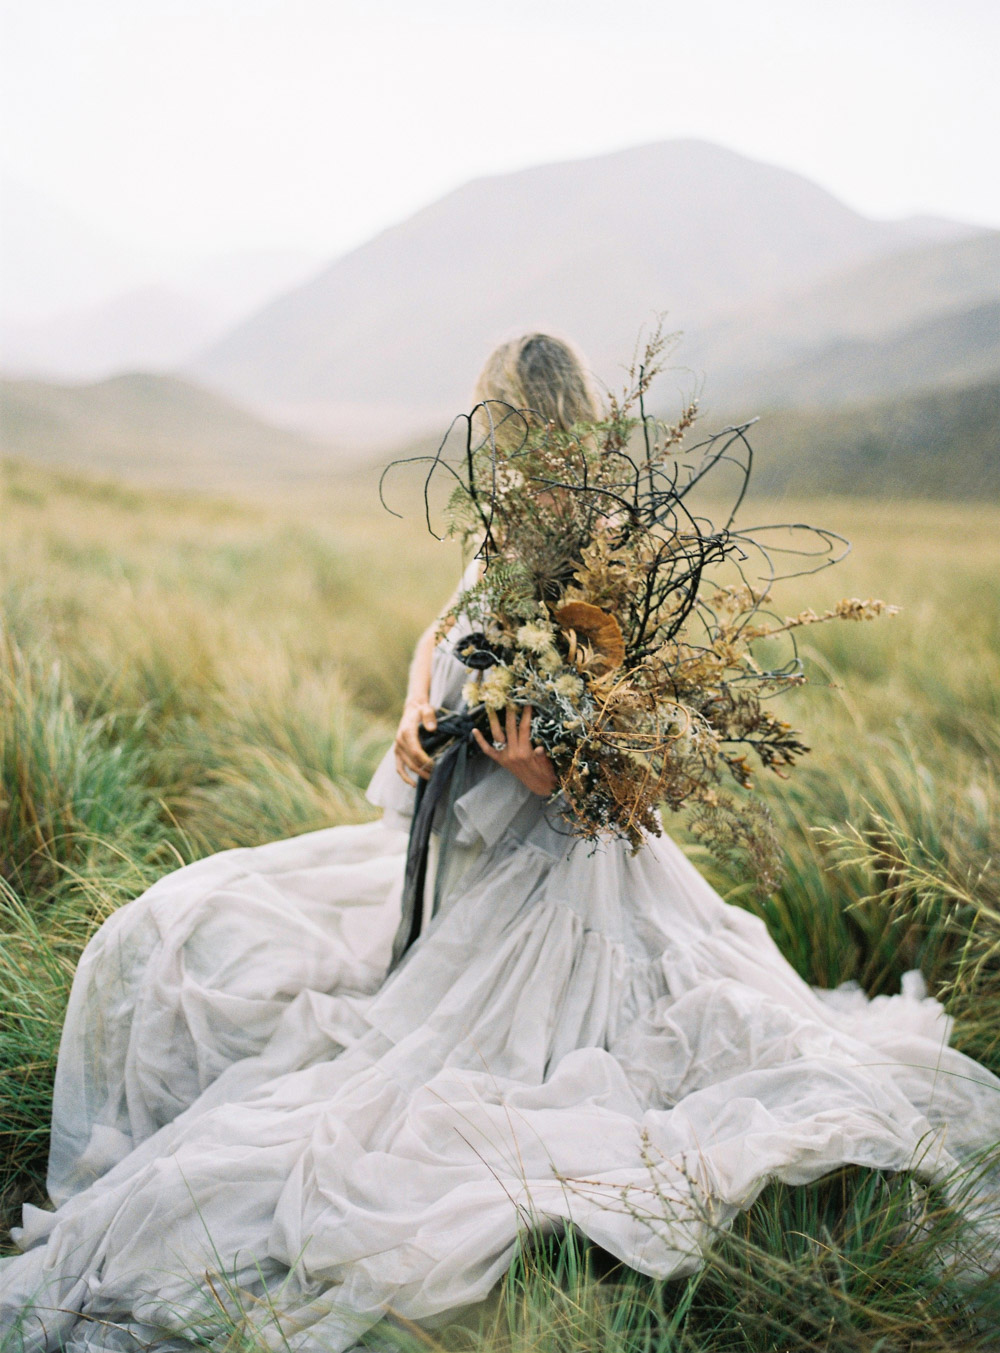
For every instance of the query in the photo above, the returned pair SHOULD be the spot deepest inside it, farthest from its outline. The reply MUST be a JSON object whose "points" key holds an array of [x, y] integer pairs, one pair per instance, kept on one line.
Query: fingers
{"points": [[524, 730], [531, 765], [495, 728], [414, 758], [402, 772], [410, 752], [515, 737], [512, 737], [420, 711], [406, 759], [484, 746]]}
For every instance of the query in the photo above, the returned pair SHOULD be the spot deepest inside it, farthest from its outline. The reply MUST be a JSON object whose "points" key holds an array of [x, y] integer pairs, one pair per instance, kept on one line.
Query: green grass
{"points": [[181, 675]]}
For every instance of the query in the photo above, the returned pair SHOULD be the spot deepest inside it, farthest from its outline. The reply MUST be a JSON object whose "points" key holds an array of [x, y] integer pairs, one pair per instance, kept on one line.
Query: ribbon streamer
{"points": [[447, 777]]}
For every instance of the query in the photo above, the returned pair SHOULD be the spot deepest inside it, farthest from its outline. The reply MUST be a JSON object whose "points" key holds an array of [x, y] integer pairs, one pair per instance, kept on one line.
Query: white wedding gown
{"points": [[249, 1115]]}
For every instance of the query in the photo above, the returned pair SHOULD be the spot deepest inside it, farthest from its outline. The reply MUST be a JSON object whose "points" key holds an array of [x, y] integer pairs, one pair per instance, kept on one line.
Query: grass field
{"points": [[181, 675]]}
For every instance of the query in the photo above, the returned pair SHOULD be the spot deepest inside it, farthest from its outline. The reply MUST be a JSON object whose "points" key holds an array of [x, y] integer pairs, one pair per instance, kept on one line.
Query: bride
{"points": [[257, 1109]]}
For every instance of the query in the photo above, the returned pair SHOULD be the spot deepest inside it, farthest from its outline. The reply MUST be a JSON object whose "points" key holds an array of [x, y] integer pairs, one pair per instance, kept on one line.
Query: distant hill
{"points": [[155, 428], [937, 444], [921, 317], [949, 350], [159, 430], [941, 444], [393, 333]]}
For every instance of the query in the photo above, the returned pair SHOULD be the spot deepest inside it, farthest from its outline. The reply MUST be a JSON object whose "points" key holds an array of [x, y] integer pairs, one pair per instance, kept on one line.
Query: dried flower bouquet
{"points": [[630, 624]]}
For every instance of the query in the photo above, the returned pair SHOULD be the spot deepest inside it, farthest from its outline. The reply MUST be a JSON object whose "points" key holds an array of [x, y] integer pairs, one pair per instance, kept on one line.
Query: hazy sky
{"points": [[203, 125]]}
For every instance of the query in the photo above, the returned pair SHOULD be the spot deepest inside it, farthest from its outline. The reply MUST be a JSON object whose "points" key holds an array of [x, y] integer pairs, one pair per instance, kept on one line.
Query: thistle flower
{"points": [[535, 638], [495, 687], [472, 694], [568, 686]]}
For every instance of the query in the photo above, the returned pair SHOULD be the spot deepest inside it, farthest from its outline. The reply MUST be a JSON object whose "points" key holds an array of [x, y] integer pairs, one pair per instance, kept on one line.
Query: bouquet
{"points": [[631, 624]]}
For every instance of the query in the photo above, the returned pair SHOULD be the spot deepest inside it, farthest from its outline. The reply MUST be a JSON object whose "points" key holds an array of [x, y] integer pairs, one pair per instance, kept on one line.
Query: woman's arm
{"points": [[418, 712]]}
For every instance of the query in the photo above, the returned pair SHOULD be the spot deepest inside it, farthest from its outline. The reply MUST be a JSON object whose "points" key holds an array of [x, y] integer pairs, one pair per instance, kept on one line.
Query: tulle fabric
{"points": [[582, 1034]]}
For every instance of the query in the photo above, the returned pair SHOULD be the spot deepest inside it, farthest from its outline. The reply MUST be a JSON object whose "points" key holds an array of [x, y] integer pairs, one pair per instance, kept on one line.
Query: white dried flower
{"points": [[568, 686], [508, 479], [495, 687], [471, 693], [535, 638]]}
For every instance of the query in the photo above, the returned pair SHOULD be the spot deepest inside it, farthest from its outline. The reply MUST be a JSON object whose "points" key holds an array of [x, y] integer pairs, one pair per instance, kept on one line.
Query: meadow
{"points": [[181, 674]]}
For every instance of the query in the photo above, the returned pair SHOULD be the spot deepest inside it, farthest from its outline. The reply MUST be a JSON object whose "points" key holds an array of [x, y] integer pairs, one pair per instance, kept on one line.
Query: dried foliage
{"points": [[625, 619]]}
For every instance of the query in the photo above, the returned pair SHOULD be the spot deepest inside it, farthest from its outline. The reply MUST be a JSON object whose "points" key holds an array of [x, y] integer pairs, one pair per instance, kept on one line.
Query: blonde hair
{"points": [[543, 374]]}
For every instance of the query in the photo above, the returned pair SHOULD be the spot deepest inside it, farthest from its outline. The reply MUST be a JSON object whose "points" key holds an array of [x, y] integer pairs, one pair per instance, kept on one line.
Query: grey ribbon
{"points": [[446, 778]]}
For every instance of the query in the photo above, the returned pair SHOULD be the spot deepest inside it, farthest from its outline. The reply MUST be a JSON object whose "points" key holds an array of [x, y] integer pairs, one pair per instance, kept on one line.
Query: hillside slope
{"points": [[858, 325], [156, 428], [948, 350], [942, 444]]}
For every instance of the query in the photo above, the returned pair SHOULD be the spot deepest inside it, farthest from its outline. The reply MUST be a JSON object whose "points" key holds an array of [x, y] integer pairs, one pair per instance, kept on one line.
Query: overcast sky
{"points": [[204, 125]]}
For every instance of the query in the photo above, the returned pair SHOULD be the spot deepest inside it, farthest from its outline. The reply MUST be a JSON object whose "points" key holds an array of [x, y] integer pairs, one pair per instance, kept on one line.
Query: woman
{"points": [[250, 1114]]}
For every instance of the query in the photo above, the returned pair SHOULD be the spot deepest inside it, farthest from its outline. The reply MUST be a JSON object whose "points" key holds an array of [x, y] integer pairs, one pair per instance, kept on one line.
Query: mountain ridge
{"points": [[587, 248]]}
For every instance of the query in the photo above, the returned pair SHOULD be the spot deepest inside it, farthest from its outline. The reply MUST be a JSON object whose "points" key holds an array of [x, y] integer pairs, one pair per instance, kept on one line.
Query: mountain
{"points": [[396, 330], [950, 349], [941, 444], [156, 428], [920, 317], [235, 284]]}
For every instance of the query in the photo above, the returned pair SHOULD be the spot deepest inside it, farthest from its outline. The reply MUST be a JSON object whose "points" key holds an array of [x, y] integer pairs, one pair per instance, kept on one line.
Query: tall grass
{"points": [[179, 676]]}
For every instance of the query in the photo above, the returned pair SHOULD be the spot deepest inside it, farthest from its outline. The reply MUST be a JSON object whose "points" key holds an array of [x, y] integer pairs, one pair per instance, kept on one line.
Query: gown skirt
{"points": [[251, 1116]]}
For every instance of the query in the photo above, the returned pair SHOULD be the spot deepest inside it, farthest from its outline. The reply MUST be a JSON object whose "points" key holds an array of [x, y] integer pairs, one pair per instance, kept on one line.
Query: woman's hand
{"points": [[410, 756], [513, 750]]}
